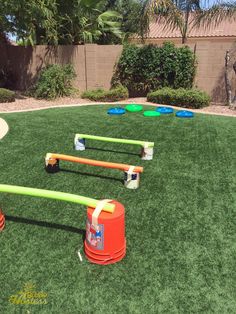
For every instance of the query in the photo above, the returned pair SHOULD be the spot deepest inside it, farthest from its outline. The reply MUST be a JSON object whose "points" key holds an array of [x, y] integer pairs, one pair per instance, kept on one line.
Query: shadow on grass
{"points": [[91, 175], [113, 151], [46, 224]]}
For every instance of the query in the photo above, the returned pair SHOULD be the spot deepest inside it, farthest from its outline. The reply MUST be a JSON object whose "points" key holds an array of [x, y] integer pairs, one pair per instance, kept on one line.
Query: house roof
{"points": [[160, 29]]}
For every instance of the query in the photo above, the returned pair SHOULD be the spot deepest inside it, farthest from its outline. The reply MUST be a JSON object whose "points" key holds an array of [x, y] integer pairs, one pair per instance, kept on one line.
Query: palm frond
{"points": [[109, 22], [216, 14], [115, 31], [167, 10], [112, 24], [87, 37], [108, 15], [89, 3]]}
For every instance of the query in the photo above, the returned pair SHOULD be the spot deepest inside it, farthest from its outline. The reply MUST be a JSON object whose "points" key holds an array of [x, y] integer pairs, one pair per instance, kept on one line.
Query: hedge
{"points": [[114, 94], [148, 68], [6, 95], [187, 98]]}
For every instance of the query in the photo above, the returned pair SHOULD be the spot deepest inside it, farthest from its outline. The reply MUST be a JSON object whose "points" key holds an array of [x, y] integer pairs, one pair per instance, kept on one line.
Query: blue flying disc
{"points": [[184, 114], [164, 110], [116, 111]]}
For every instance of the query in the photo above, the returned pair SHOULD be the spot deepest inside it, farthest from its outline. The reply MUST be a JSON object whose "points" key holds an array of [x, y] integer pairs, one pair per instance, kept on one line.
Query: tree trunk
{"points": [[227, 81], [233, 104], [186, 24]]}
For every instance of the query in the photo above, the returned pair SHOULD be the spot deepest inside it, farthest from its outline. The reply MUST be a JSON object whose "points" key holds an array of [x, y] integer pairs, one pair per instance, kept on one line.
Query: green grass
{"points": [[180, 223]]}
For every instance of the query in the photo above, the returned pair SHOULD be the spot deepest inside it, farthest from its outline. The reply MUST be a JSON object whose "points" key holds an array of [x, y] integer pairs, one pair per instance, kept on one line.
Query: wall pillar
{"points": [[90, 65]]}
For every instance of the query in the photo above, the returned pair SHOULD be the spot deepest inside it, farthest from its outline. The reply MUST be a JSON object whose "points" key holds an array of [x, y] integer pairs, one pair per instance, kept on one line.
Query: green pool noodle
{"points": [[113, 140], [67, 197]]}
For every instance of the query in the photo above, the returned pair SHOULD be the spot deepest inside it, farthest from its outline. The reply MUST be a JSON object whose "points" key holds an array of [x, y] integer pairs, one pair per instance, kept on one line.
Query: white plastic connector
{"points": [[131, 179], [79, 143], [147, 152]]}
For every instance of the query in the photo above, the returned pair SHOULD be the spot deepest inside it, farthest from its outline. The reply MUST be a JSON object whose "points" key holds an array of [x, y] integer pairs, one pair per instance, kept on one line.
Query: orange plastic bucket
{"points": [[2, 220], [106, 244]]}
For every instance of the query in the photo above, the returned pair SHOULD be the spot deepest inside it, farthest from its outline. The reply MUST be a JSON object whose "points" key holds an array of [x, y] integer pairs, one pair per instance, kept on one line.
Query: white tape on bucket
{"points": [[97, 211], [130, 172], [75, 140], [47, 158]]}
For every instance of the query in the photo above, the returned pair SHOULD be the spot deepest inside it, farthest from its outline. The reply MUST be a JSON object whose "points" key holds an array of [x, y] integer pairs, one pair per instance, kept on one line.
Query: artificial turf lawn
{"points": [[180, 223]]}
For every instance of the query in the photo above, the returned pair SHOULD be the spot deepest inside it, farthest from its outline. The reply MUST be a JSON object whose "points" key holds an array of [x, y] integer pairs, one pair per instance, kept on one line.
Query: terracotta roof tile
{"points": [[226, 28]]}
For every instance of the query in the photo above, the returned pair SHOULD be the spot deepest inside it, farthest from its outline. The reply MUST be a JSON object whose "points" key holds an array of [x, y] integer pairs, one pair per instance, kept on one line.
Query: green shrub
{"points": [[6, 95], [54, 81], [115, 94], [147, 68], [187, 98]]}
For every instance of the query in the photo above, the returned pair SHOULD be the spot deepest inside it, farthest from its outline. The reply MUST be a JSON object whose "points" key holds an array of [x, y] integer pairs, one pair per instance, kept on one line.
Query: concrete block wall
{"points": [[211, 68], [210, 54], [94, 64], [106, 61]]}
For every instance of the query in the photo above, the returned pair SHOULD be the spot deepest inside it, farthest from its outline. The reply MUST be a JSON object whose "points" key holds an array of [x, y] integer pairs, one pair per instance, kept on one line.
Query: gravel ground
{"points": [[27, 104]]}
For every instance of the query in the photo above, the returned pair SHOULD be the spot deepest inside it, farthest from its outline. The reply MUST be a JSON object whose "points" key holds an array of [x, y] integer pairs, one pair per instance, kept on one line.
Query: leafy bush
{"points": [[187, 98], [6, 95], [54, 81], [147, 68], [114, 94]]}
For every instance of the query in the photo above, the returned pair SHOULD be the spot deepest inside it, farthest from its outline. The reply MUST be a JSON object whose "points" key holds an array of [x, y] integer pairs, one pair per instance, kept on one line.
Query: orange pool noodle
{"points": [[92, 162]]}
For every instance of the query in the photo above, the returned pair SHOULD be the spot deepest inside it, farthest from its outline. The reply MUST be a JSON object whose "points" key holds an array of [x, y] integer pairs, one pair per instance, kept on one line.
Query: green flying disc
{"points": [[134, 108], [150, 113]]}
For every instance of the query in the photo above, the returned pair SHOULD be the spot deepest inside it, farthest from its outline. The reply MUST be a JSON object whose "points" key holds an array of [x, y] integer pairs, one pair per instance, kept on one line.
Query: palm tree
{"points": [[85, 21], [59, 21], [96, 22], [188, 14]]}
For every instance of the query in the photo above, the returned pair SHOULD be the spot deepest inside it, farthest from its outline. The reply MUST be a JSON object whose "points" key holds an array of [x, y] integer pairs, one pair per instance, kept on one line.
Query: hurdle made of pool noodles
{"points": [[105, 226], [131, 173], [146, 151]]}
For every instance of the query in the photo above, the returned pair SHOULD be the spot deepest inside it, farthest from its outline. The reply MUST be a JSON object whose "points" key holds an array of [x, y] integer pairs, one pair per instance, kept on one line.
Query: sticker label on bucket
{"points": [[80, 144], [95, 236], [133, 176]]}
